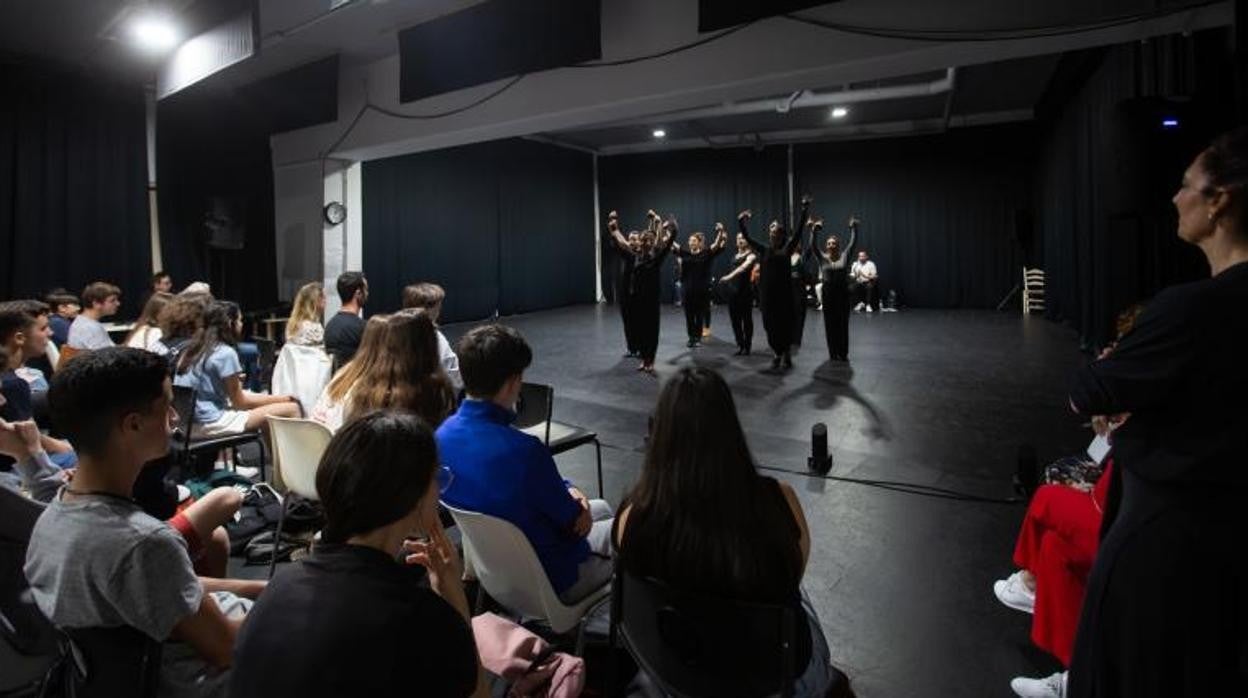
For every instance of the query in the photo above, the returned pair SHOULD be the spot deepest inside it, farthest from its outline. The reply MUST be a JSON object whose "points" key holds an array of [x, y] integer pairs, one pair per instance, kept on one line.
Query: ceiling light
{"points": [[659, 133], [839, 112], [153, 33]]}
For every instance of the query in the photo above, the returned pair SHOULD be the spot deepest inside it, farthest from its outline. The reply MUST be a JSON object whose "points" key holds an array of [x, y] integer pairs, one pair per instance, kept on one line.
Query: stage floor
{"points": [[902, 582]]}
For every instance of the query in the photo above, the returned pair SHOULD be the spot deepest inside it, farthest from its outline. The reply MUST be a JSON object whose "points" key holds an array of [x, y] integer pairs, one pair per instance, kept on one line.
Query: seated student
{"points": [[703, 519], [65, 307], [344, 330], [503, 472], [100, 300], [29, 467], [308, 309], [24, 333], [180, 319], [209, 363], [865, 283], [429, 297], [146, 333], [95, 559], [355, 618], [399, 370]]}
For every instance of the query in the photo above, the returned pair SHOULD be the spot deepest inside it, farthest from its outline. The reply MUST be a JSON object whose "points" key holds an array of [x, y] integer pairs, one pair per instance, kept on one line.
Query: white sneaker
{"points": [[858, 308], [248, 471], [870, 309], [1049, 687], [1014, 593]]}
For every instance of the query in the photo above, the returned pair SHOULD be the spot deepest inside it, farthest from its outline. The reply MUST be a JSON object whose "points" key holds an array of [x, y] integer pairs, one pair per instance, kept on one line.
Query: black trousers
{"points": [[836, 319], [646, 327], [867, 292], [799, 310], [777, 308], [741, 312], [626, 303], [697, 311]]}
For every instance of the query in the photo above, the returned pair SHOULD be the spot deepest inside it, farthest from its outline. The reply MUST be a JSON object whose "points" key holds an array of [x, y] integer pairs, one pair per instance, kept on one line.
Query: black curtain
{"points": [[505, 227], [73, 184], [700, 187], [941, 215], [213, 154], [1107, 167]]}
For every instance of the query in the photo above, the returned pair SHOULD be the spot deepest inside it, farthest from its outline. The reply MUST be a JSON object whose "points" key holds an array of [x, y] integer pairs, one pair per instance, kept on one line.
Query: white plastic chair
{"points": [[301, 371], [297, 448], [509, 571]]}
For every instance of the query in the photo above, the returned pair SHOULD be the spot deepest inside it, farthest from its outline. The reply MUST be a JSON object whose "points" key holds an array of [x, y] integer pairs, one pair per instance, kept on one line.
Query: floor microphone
{"points": [[820, 460]]}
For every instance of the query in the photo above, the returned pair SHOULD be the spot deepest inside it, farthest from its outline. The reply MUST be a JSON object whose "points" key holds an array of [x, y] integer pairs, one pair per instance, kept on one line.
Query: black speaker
{"points": [[224, 224]]}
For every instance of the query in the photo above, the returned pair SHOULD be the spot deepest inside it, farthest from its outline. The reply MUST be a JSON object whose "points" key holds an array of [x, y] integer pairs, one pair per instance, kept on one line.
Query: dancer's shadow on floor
{"points": [[832, 381]]}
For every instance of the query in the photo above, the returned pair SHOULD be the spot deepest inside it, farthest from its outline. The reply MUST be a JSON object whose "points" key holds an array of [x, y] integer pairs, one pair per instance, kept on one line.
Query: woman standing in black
{"points": [[741, 296], [695, 280], [1166, 609], [647, 266], [627, 249], [775, 289], [834, 278]]}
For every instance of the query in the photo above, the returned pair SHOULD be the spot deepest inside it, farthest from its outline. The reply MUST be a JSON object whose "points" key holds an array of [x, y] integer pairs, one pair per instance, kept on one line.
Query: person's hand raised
{"points": [[745, 215]]}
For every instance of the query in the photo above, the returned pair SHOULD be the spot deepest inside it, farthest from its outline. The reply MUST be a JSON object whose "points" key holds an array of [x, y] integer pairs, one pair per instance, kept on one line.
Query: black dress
{"points": [[1166, 608], [775, 292], [647, 269], [624, 293], [833, 274]]}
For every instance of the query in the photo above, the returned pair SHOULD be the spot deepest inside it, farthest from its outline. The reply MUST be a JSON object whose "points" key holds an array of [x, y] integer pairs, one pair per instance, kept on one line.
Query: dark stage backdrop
{"points": [[700, 187], [73, 184], [505, 227], [939, 213], [1106, 171]]}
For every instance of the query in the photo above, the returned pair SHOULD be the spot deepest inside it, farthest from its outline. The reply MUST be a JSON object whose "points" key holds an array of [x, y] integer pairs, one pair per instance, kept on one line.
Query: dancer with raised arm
{"points": [[741, 295], [695, 280], [775, 288], [626, 248], [646, 272], [834, 277]]}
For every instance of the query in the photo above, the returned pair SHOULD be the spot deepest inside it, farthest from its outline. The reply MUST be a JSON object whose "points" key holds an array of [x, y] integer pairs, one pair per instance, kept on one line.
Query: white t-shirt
{"points": [[450, 362], [148, 338], [863, 271]]}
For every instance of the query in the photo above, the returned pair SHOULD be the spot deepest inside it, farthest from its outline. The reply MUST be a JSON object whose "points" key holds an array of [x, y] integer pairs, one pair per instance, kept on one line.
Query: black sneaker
{"points": [[775, 363], [788, 361]]}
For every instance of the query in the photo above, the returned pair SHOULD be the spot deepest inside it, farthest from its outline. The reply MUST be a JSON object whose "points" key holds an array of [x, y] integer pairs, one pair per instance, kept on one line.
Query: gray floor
{"points": [[901, 582]]}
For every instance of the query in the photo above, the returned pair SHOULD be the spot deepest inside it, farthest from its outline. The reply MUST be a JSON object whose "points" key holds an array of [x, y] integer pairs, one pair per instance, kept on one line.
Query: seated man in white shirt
{"points": [[866, 284], [429, 297], [99, 300]]}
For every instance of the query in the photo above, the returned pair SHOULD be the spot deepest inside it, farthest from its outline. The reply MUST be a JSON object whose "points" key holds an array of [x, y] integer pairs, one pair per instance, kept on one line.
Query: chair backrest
{"points": [[109, 662], [67, 353], [184, 406], [534, 407], [297, 448], [268, 358], [508, 569], [28, 641], [693, 644]]}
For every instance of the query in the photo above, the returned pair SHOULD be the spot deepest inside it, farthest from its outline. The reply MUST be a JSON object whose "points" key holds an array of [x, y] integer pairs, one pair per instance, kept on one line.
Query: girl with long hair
{"points": [[147, 333], [209, 364], [702, 519], [306, 313], [775, 285]]}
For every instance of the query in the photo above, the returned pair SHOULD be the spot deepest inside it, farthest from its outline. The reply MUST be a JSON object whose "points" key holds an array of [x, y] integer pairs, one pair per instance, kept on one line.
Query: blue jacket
{"points": [[503, 472]]}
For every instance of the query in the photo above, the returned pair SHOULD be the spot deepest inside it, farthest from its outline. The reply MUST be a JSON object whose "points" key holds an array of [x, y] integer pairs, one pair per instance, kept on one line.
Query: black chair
{"points": [[187, 447], [533, 416], [109, 662], [29, 649], [268, 359], [691, 644]]}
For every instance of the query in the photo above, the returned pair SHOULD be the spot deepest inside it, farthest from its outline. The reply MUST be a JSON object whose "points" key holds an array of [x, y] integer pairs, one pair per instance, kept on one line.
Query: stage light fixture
{"points": [[154, 33], [839, 112], [1169, 123], [659, 133]]}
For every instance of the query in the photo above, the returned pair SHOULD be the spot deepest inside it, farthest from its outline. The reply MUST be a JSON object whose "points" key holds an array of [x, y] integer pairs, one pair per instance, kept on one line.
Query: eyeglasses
{"points": [[444, 478]]}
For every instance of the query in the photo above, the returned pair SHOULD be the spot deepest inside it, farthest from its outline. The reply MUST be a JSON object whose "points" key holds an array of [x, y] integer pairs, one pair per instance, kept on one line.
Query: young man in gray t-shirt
{"points": [[99, 300], [95, 558]]}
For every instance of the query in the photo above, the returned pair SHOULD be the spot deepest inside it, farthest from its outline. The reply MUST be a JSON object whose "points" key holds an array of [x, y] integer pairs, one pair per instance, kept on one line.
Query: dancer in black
{"points": [[799, 276], [627, 249], [695, 280], [834, 277], [646, 267], [775, 289], [740, 293]]}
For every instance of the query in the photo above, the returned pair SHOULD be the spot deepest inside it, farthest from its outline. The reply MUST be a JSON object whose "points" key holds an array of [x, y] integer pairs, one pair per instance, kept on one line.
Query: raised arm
{"points": [[742, 268], [613, 228], [848, 249], [652, 222], [743, 225], [813, 243], [795, 240], [721, 239], [670, 228]]}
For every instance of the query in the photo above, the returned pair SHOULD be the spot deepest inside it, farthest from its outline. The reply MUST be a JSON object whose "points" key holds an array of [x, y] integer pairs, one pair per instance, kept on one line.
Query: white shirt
{"points": [[863, 271], [450, 362], [148, 338]]}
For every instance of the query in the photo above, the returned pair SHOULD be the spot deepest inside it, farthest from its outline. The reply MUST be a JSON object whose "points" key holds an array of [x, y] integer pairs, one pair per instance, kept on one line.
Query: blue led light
{"points": [[1169, 123]]}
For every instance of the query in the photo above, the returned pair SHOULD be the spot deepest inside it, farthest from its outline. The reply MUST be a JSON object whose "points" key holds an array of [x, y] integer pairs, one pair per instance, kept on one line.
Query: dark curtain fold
{"points": [[73, 184], [505, 227], [700, 187], [939, 213], [213, 154], [1106, 170]]}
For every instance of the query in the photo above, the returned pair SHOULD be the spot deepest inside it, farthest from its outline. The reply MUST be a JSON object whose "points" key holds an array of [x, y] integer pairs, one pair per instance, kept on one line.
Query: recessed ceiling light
{"points": [[659, 133], [839, 112], [154, 33]]}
